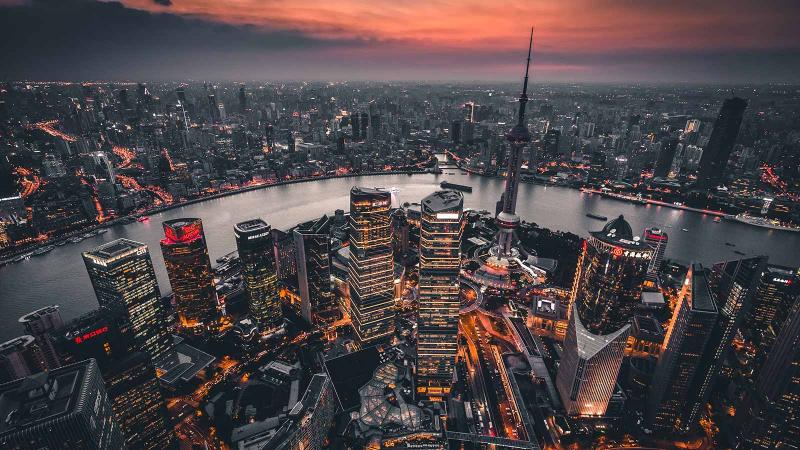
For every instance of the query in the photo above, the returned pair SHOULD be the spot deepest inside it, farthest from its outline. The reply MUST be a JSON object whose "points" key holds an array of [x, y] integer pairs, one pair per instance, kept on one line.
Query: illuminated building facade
{"points": [[64, 408], [123, 278], [42, 325], [733, 285], [776, 294], [440, 262], [609, 277], [255, 246], [312, 245], [190, 274], [371, 265], [671, 402], [138, 405], [774, 419], [309, 420], [587, 372]]}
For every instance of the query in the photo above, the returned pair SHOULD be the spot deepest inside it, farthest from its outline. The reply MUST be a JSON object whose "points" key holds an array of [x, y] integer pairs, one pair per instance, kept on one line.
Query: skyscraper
{"points": [[42, 325], [371, 264], [657, 239], [773, 420], [671, 403], [64, 408], [20, 357], [190, 275], [440, 262], [123, 278], [665, 156], [312, 244], [606, 289], [733, 285], [587, 372], [715, 155], [256, 253], [608, 281], [137, 402], [775, 296]]}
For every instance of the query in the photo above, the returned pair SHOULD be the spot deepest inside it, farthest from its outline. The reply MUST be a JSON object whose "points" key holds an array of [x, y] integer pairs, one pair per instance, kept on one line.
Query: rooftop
{"points": [[442, 201], [45, 396], [590, 344], [351, 371], [183, 363], [702, 299], [18, 343], [249, 226], [115, 249], [36, 315]]}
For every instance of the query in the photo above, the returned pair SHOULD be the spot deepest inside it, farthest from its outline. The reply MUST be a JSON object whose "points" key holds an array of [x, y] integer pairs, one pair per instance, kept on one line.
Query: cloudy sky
{"points": [[720, 41]]}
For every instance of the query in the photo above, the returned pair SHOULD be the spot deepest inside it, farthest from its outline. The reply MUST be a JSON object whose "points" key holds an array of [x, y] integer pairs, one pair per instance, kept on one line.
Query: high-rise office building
{"points": [[440, 262], [137, 402], [242, 99], [733, 285], [671, 402], [285, 260], [607, 287], [123, 278], [455, 132], [64, 408], [775, 296], [587, 372], [190, 275], [657, 239], [371, 264], [312, 243], [608, 281], [42, 324], [715, 156], [307, 424], [256, 253], [665, 156], [773, 419], [20, 357]]}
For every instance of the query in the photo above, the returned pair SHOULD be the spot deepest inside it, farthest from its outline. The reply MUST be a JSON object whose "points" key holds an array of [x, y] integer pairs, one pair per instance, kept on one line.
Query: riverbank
{"points": [[27, 250], [630, 198]]}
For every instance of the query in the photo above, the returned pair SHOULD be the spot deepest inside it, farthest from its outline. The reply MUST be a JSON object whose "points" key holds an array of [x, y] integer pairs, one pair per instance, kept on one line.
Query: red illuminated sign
{"points": [[91, 334], [618, 251], [184, 234]]}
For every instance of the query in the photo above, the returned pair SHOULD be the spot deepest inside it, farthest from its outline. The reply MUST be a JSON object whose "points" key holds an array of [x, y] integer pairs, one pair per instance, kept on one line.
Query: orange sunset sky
{"points": [[581, 40]]}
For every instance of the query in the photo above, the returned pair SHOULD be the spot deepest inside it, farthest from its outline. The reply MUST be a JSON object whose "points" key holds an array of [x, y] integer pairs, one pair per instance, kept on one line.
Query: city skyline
{"points": [[454, 266], [577, 41]]}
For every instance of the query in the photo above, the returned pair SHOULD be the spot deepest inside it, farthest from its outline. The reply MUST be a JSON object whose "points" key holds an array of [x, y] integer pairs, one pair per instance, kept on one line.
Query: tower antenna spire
{"points": [[523, 98], [528, 65]]}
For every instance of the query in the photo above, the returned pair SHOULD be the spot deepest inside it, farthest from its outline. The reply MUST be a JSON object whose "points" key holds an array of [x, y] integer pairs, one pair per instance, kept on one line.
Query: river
{"points": [[59, 277]]}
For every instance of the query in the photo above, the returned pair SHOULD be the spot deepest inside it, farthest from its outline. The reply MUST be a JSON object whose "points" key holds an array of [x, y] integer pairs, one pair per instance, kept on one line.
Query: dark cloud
{"points": [[94, 40], [163, 2], [85, 39]]}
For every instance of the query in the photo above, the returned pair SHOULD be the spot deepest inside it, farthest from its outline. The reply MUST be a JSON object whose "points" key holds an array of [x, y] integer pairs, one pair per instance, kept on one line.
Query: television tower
{"points": [[518, 137]]}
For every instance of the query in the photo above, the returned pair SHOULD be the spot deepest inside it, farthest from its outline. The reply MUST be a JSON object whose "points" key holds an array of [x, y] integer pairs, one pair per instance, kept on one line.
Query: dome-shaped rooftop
{"points": [[618, 228]]}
